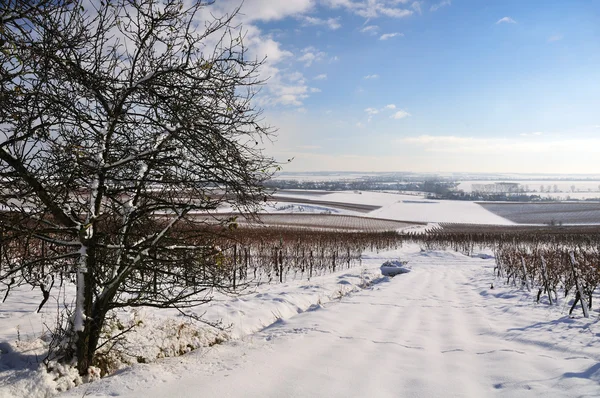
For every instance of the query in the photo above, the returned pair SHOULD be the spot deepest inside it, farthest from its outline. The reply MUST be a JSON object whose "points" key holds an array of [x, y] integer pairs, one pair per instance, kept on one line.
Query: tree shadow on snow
{"points": [[566, 320], [11, 360], [591, 373]]}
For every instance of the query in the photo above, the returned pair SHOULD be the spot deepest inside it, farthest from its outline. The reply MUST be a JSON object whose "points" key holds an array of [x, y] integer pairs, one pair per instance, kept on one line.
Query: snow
{"points": [[80, 301], [564, 186], [440, 330], [366, 198], [439, 211], [447, 328], [159, 333], [403, 207], [303, 208], [394, 267]]}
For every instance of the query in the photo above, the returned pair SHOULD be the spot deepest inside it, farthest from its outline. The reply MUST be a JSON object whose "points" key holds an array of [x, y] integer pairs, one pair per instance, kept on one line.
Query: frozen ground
{"points": [[438, 331]]}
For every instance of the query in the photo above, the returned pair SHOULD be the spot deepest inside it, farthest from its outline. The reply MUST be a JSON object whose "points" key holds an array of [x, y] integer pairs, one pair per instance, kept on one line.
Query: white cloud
{"points": [[315, 90], [390, 106], [371, 76], [360, 125], [322, 76], [506, 20], [331, 23], [370, 29], [439, 5], [395, 12], [534, 134], [416, 5], [295, 77], [400, 115], [554, 38], [456, 144], [261, 10], [372, 8], [372, 111], [289, 94], [310, 55], [386, 36], [285, 86]]}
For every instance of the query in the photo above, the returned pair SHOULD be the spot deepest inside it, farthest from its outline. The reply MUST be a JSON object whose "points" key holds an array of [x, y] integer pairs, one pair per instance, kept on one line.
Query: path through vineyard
{"points": [[438, 331]]}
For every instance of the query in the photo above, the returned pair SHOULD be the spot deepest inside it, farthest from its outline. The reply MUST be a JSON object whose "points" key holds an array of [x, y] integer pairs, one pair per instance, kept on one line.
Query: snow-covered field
{"points": [[536, 185], [414, 209], [438, 331]]}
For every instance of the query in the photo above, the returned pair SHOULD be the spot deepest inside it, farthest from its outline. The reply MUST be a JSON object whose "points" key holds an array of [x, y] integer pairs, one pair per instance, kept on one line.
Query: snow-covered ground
{"points": [[393, 206], [438, 331], [439, 211], [365, 197], [535, 186], [160, 333], [414, 209]]}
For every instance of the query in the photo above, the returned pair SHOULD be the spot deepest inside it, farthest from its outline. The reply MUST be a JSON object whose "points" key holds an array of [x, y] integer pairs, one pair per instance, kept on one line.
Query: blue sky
{"points": [[454, 85]]}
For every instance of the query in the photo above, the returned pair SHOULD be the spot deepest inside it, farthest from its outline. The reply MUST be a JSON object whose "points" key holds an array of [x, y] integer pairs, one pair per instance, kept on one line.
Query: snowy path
{"points": [[438, 331]]}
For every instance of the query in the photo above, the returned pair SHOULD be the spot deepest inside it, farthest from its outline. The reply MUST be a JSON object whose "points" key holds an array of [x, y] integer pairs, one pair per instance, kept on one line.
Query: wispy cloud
{"points": [[439, 5], [400, 115], [310, 55], [455, 144], [505, 20], [371, 77], [390, 107], [373, 8], [331, 23], [370, 29], [416, 6], [534, 134], [386, 36], [554, 38], [322, 76]]}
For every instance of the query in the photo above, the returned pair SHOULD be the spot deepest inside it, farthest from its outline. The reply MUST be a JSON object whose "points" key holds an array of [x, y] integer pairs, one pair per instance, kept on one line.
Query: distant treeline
{"points": [[437, 187], [434, 189]]}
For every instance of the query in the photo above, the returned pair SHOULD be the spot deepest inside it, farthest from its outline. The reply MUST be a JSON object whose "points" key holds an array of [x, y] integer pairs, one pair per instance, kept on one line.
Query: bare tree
{"points": [[118, 121]]}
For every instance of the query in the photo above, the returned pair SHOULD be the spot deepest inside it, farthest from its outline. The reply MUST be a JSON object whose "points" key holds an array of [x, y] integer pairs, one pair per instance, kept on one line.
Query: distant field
{"points": [[565, 187], [480, 228], [320, 221], [359, 207], [546, 213]]}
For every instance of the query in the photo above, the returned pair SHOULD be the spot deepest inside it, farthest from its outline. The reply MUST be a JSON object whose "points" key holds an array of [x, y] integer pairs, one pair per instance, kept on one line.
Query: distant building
{"points": [[497, 187]]}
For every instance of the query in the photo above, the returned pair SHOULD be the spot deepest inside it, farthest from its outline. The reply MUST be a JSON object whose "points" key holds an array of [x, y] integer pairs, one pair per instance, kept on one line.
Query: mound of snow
{"points": [[394, 267]]}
